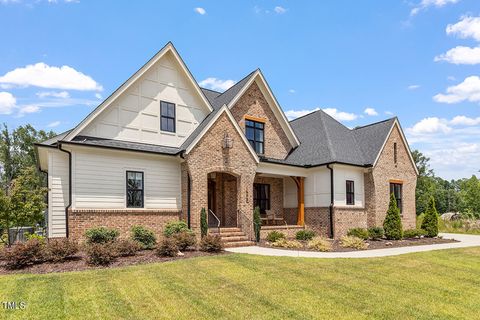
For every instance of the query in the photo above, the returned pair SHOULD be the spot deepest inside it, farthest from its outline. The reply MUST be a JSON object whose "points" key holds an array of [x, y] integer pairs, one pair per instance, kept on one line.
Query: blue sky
{"points": [[362, 61]]}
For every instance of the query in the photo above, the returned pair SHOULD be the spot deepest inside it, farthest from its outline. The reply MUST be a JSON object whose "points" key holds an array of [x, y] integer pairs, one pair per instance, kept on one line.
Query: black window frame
{"points": [[394, 187], [142, 190], [168, 117], [258, 200], [350, 193], [255, 126]]}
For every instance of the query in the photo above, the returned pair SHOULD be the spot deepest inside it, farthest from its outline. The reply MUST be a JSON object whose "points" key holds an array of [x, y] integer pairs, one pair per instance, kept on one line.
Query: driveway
{"points": [[465, 240]]}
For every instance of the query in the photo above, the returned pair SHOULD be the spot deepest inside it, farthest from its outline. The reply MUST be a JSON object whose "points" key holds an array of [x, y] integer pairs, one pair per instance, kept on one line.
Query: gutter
{"points": [[69, 186], [331, 200]]}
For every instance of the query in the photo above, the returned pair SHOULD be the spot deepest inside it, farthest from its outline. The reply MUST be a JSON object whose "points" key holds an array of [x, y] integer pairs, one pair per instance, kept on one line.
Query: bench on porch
{"points": [[271, 217]]}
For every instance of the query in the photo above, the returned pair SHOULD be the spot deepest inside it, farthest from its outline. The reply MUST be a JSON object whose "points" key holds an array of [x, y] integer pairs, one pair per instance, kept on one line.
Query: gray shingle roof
{"points": [[54, 140], [371, 137]]}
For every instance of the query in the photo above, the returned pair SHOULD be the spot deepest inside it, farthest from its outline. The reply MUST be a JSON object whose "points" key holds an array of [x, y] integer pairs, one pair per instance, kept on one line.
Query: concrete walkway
{"points": [[465, 241]]}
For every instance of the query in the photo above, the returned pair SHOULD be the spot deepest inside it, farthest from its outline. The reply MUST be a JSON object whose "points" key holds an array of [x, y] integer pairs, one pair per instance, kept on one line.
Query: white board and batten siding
{"points": [[342, 173], [99, 179], [58, 185], [135, 114]]}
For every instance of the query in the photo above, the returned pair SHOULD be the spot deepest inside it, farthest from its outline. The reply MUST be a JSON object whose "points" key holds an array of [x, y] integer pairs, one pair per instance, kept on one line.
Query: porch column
{"points": [[300, 182]]}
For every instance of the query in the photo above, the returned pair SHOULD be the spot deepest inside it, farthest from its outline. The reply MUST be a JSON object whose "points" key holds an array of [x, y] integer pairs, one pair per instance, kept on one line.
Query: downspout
{"points": [[69, 186], [331, 200]]}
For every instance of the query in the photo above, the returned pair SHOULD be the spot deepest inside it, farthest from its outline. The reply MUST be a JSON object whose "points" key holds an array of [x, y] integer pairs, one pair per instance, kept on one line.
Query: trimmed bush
{"points": [[353, 242], [375, 233], [392, 225], [58, 250], [211, 243], [185, 240], [101, 235], [319, 244], [361, 233], [175, 227], [100, 254], [430, 221], [274, 236], [305, 235], [257, 223], [203, 222], [22, 254], [31, 236], [145, 237], [290, 244], [167, 248], [126, 247], [413, 233]]}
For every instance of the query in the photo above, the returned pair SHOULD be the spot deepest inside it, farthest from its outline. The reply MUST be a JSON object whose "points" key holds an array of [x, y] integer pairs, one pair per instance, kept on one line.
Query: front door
{"points": [[212, 200]]}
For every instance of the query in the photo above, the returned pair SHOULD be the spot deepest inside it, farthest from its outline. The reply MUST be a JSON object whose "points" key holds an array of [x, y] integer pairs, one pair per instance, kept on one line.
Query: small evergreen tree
{"points": [[257, 223], [430, 221], [393, 223], [203, 222]]}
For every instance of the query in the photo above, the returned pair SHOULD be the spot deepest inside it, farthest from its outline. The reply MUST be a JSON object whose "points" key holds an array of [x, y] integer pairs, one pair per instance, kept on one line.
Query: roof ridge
{"points": [[212, 90], [238, 82], [374, 123], [327, 135], [307, 114]]}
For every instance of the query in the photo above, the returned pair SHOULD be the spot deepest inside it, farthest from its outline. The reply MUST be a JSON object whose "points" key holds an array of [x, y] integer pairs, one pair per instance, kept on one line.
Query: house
{"points": [[161, 148]]}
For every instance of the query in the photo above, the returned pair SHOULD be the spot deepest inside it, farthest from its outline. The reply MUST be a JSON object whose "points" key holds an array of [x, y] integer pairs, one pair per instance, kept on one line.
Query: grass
{"points": [[432, 285]]}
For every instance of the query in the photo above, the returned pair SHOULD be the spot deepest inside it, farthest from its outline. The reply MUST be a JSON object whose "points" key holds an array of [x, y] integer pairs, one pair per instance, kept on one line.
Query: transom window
{"points": [[255, 135], [261, 196], [134, 189], [396, 189], [167, 116], [350, 188]]}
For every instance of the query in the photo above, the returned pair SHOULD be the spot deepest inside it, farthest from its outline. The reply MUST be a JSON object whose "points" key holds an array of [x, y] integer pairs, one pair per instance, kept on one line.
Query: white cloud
{"points": [[293, 114], [413, 87], [28, 109], [370, 112], [50, 77], [53, 124], [200, 11], [424, 4], [340, 115], [460, 55], [292, 91], [98, 95], [429, 126], [216, 84], [280, 10], [465, 121], [467, 27], [451, 78], [54, 94], [7, 102], [389, 113], [468, 90]]}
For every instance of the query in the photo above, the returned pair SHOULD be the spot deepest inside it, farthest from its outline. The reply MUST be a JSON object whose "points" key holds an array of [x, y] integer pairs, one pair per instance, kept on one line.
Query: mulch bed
{"points": [[374, 244], [78, 263]]}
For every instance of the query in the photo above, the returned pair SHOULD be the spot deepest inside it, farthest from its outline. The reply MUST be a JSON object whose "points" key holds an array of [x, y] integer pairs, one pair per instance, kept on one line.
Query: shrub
{"points": [[22, 254], [100, 254], [353, 242], [203, 222], [145, 237], [126, 247], [101, 235], [257, 223], [319, 244], [413, 233], [58, 250], [175, 227], [375, 233], [167, 248], [361, 233], [185, 240], [274, 236], [430, 221], [31, 236], [305, 235], [211, 243], [393, 223], [290, 244]]}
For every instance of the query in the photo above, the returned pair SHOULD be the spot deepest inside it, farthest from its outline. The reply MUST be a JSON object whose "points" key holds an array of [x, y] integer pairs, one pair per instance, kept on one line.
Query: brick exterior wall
{"points": [[276, 192], [345, 218], [318, 220], [254, 104], [226, 199], [80, 220]]}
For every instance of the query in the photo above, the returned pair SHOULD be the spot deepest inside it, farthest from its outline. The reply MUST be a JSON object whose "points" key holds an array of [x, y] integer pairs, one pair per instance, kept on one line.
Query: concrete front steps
{"points": [[232, 237]]}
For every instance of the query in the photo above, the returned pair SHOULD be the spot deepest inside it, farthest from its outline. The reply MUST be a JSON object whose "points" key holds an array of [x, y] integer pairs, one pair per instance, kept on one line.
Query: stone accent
{"points": [[253, 103], [345, 218], [80, 220]]}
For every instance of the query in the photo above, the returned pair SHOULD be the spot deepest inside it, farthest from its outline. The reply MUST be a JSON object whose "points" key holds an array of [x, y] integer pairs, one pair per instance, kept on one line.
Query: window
{"points": [[395, 152], [134, 189], [396, 189], [167, 116], [254, 132], [350, 188], [261, 196]]}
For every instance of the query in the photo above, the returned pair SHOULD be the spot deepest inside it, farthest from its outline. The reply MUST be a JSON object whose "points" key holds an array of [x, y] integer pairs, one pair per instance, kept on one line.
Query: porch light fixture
{"points": [[227, 141]]}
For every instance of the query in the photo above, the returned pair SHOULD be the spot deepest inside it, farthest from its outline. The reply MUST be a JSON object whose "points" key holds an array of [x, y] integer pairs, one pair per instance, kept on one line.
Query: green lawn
{"points": [[434, 285]]}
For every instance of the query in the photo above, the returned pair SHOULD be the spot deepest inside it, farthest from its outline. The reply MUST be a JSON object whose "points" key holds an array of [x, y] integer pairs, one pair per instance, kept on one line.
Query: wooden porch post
{"points": [[300, 181]]}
